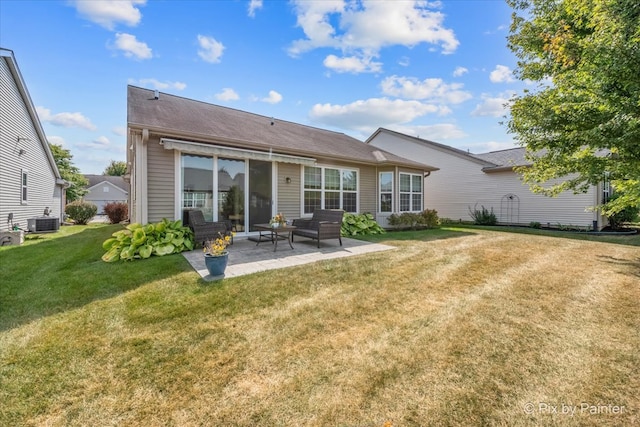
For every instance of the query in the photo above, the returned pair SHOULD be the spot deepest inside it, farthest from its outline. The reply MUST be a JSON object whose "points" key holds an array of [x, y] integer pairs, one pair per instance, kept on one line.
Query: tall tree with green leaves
{"points": [[581, 123], [115, 168], [69, 173]]}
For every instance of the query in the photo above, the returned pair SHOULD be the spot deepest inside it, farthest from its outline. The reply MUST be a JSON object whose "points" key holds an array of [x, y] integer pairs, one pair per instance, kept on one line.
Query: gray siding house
{"points": [[103, 189], [185, 154], [468, 180], [29, 178]]}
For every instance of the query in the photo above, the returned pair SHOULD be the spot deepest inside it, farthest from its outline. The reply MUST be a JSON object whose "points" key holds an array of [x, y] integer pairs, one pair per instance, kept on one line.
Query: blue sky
{"points": [[435, 69]]}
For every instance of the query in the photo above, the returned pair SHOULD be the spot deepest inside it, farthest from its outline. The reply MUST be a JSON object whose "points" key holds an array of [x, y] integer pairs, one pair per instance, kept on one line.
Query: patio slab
{"points": [[246, 257]]}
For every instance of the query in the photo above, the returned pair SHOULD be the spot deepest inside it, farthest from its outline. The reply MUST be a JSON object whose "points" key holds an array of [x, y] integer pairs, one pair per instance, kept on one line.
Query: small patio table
{"points": [[273, 234]]}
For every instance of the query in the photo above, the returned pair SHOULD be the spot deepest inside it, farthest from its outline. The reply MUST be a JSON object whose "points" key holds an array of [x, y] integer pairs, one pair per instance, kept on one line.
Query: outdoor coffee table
{"points": [[273, 234]]}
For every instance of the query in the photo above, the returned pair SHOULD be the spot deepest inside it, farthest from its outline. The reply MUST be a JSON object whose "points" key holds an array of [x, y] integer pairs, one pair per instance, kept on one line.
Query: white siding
{"points": [[460, 184], [98, 196], [16, 122]]}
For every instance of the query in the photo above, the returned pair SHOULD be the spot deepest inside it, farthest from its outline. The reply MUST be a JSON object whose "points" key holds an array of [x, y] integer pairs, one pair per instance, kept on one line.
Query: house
{"points": [[30, 182], [469, 181], [185, 154], [103, 189]]}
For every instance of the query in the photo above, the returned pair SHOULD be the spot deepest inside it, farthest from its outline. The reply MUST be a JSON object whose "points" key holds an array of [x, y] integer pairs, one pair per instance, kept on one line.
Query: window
{"points": [[606, 188], [24, 186], [330, 188], [410, 192], [386, 191], [105, 189]]}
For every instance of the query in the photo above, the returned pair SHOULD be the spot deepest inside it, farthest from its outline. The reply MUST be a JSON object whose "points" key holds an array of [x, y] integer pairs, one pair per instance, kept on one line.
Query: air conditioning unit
{"points": [[43, 224]]}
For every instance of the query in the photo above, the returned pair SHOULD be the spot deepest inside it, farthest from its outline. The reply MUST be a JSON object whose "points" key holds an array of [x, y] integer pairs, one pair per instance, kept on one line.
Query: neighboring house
{"points": [[468, 181], [29, 178], [103, 189], [185, 154]]}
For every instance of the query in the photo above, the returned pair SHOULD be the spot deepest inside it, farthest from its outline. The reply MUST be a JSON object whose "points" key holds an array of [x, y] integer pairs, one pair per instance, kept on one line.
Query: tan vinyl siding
{"points": [[368, 189], [161, 181], [289, 194], [41, 185], [460, 184]]}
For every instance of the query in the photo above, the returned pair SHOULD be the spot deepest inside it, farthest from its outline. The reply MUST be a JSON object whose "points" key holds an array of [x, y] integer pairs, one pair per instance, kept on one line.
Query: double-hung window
{"points": [[386, 191], [410, 192], [23, 187], [330, 188]]}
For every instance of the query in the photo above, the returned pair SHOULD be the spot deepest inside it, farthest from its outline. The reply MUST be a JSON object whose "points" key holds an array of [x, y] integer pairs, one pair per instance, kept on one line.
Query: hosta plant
{"points": [[139, 241], [359, 224]]}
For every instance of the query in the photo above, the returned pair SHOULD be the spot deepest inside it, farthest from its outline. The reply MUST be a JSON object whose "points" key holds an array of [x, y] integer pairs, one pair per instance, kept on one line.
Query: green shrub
{"points": [[116, 211], [81, 212], [628, 214], [535, 224], [362, 224], [425, 219], [483, 216], [138, 241]]}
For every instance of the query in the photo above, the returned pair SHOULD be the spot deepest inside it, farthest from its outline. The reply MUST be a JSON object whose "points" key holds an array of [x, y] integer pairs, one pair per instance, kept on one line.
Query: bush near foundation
{"points": [[116, 212], [81, 212], [413, 220]]}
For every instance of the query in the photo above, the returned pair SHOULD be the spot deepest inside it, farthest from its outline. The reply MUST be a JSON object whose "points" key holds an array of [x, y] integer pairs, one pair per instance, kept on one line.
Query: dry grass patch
{"points": [[484, 329]]}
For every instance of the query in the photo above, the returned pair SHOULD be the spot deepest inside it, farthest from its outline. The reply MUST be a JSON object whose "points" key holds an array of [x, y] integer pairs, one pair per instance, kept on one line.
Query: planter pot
{"points": [[216, 264]]}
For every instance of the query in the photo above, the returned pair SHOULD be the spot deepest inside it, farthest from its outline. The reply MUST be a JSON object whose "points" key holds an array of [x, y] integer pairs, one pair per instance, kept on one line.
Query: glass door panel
{"points": [[197, 185], [231, 187], [260, 192]]}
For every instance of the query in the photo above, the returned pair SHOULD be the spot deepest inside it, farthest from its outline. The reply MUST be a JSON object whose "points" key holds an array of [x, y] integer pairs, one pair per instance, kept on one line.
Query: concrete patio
{"points": [[246, 257]]}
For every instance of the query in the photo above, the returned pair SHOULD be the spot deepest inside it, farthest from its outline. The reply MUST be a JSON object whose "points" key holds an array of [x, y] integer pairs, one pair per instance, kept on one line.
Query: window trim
{"points": [[24, 186], [322, 190], [380, 192], [411, 192]]}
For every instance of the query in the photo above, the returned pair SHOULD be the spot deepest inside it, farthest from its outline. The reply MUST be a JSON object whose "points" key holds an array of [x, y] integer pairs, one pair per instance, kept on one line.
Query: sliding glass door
{"points": [[260, 192]]}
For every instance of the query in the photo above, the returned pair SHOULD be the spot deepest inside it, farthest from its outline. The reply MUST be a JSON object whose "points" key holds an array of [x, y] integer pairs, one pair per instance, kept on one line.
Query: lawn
{"points": [[458, 326]]}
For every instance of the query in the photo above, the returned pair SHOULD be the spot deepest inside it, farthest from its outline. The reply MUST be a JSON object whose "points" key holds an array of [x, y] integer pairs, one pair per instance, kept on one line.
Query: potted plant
{"points": [[278, 220], [216, 255]]}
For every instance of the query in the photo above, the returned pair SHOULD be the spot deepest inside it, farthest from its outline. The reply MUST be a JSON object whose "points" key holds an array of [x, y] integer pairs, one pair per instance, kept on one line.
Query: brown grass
{"points": [[487, 329]]}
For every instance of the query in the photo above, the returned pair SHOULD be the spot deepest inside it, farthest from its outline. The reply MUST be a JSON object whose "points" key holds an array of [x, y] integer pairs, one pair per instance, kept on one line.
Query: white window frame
{"points": [[412, 192], [323, 190], [380, 192], [24, 186]]}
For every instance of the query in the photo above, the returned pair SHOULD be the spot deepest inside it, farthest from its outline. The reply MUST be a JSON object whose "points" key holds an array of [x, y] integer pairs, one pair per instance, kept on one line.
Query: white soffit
{"points": [[238, 153]]}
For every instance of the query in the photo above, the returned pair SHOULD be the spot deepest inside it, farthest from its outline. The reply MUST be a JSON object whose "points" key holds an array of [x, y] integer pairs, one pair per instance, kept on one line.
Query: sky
{"points": [[439, 70]]}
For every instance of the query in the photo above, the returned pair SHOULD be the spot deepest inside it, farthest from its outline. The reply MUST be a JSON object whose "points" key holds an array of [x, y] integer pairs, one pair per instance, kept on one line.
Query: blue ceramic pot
{"points": [[216, 264]]}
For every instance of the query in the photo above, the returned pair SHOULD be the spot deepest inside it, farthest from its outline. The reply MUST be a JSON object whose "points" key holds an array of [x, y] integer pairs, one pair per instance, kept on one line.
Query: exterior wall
{"points": [[42, 191], [289, 195], [160, 197], [98, 196], [461, 184]]}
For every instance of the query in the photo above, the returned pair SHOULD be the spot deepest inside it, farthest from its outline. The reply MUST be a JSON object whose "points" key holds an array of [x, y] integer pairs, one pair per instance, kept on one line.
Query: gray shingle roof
{"points": [[118, 181], [209, 123], [504, 158]]}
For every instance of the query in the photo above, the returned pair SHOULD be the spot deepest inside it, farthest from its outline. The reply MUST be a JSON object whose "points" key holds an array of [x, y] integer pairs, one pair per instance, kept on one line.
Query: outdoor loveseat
{"points": [[325, 224], [208, 230]]}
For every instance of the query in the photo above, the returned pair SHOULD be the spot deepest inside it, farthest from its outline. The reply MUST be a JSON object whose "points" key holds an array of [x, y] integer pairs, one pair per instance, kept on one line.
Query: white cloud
{"points": [[100, 143], [210, 49], [370, 114], [404, 61], [365, 27], [227, 94], [131, 47], [502, 74], [496, 106], [273, 98], [352, 64], [434, 133], [253, 6], [157, 84], [434, 90], [119, 130], [68, 120], [108, 13], [460, 71], [56, 140]]}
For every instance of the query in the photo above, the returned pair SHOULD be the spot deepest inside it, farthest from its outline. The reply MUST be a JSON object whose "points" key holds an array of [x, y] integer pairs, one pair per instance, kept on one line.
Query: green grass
{"points": [[458, 326]]}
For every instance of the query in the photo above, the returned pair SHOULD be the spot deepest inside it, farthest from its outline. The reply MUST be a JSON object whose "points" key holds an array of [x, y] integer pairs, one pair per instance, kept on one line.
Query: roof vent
{"points": [[156, 94]]}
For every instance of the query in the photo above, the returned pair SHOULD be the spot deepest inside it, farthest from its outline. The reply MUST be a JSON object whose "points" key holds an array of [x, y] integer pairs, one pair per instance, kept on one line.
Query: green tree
{"points": [[582, 120], [115, 168], [69, 173]]}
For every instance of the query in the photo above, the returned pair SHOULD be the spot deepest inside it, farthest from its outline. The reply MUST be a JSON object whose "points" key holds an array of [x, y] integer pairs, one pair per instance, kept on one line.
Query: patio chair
{"points": [[208, 230]]}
